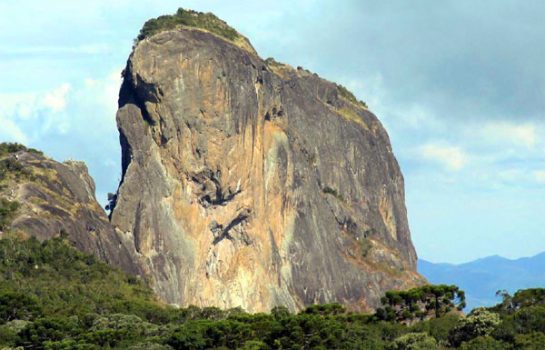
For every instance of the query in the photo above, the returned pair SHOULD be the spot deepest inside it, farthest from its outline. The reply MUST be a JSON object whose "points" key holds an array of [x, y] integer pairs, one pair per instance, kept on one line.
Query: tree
{"points": [[17, 306], [421, 303], [484, 343], [112, 200], [480, 322], [414, 341]]}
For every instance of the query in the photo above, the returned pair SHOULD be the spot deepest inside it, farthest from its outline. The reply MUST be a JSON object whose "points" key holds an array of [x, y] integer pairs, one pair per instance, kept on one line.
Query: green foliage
{"points": [[325, 309], [528, 297], [333, 192], [365, 246], [531, 341], [64, 282], [189, 18], [17, 306], [348, 95], [54, 297], [9, 148], [9, 166], [7, 212], [414, 341], [439, 328], [485, 343], [9, 332], [421, 303], [480, 322]]}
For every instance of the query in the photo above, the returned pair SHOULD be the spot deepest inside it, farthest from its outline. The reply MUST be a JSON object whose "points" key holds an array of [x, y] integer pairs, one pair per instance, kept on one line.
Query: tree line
{"points": [[53, 296]]}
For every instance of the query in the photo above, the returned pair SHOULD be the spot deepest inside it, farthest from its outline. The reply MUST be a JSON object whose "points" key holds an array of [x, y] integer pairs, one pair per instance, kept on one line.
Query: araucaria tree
{"points": [[429, 301]]}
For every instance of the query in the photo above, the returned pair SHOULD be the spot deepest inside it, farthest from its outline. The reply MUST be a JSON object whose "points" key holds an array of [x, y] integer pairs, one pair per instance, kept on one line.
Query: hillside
{"points": [[43, 198], [482, 278]]}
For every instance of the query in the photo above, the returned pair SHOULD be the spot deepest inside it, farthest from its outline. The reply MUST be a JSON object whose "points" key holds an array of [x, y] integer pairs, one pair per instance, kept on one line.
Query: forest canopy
{"points": [[55, 297]]}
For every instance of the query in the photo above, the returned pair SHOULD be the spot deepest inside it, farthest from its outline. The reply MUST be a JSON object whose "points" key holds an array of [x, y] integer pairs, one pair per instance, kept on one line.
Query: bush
{"points": [[189, 18], [414, 341], [348, 95], [17, 306], [8, 148], [7, 212], [485, 343], [479, 323], [531, 341]]}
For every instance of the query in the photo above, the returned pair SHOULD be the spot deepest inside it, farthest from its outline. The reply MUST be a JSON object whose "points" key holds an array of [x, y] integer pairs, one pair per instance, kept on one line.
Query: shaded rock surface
{"points": [[249, 183], [57, 199]]}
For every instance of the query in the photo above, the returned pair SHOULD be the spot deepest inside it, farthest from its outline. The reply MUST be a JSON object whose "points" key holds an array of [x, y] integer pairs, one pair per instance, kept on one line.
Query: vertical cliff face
{"points": [[249, 183], [50, 199]]}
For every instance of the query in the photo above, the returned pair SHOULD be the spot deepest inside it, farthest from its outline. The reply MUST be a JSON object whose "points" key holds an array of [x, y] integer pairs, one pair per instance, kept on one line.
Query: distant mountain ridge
{"points": [[481, 278]]}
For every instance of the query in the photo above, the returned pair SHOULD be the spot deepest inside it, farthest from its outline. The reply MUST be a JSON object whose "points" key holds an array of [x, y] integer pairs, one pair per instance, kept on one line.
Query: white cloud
{"points": [[26, 117], [56, 99], [452, 158], [103, 92], [11, 132], [30, 117], [539, 176], [510, 132]]}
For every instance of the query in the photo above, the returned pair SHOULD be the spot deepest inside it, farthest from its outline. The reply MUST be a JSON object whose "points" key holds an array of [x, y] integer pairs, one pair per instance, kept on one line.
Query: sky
{"points": [[458, 84]]}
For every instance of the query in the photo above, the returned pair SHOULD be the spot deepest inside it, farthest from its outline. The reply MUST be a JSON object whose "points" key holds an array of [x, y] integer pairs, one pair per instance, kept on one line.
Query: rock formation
{"points": [[54, 199], [249, 183]]}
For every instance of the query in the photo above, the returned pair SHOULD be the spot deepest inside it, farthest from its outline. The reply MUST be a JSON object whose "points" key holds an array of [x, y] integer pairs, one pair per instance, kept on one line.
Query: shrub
{"points": [[414, 341], [8, 148], [17, 306], [189, 18], [7, 212], [348, 95], [485, 343], [333, 192], [479, 323]]}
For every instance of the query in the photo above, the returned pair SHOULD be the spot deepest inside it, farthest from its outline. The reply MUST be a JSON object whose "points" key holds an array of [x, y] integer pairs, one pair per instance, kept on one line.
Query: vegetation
{"points": [[8, 148], [9, 165], [421, 303], [7, 211], [351, 115], [188, 18], [346, 94], [11, 168], [365, 246], [333, 192], [55, 297]]}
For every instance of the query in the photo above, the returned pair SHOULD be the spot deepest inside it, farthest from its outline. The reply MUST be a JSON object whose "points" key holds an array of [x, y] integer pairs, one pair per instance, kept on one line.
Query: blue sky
{"points": [[459, 85]]}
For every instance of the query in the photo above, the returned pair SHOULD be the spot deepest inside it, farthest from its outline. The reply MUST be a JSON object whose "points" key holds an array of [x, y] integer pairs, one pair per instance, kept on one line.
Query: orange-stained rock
{"points": [[249, 183]]}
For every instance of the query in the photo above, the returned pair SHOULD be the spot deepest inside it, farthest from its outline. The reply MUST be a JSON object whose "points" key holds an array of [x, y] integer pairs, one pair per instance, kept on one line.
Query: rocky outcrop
{"points": [[249, 183], [58, 199]]}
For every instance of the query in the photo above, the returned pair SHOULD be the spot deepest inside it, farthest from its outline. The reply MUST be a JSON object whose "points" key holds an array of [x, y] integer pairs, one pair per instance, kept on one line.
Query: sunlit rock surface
{"points": [[249, 183]]}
